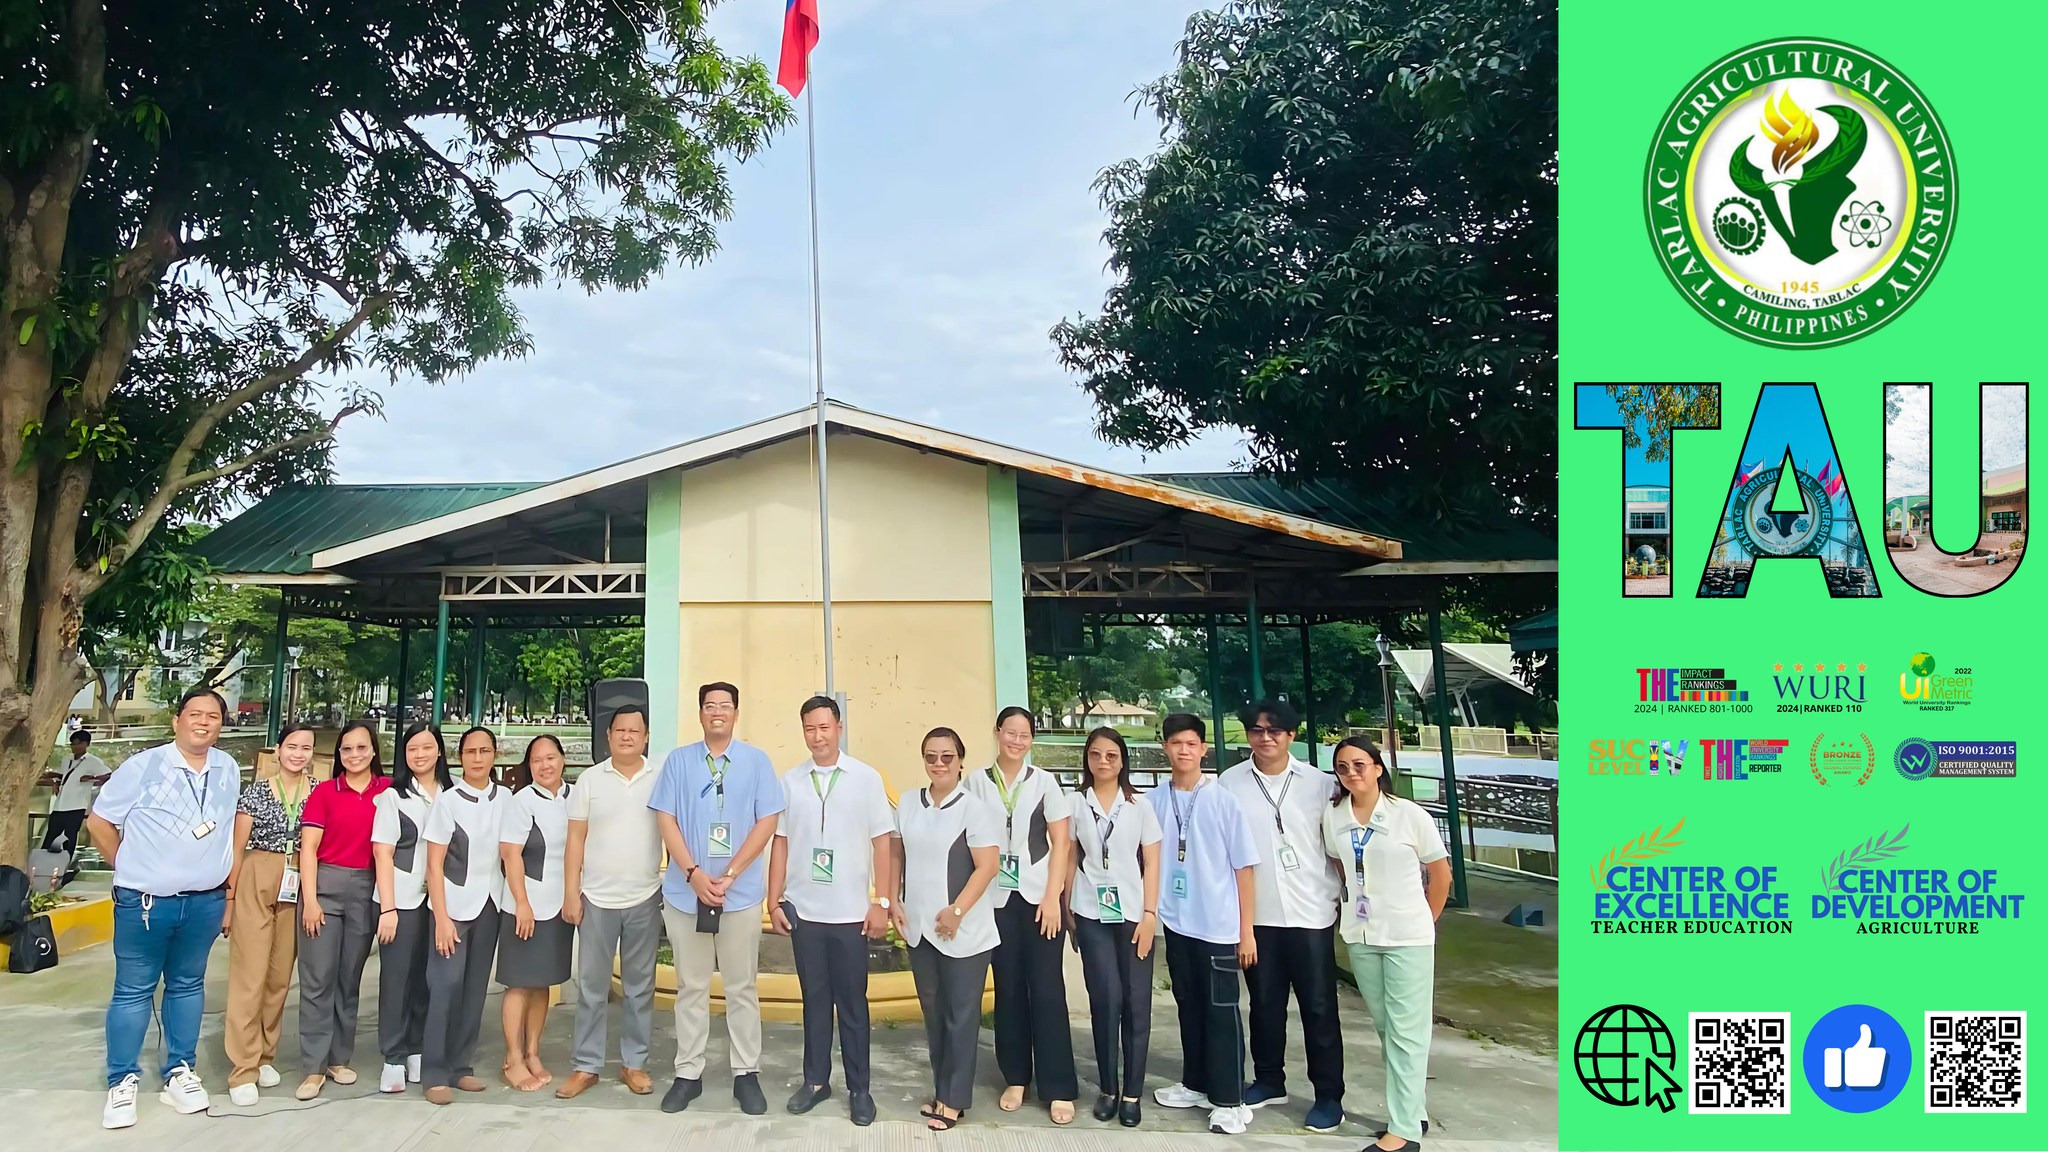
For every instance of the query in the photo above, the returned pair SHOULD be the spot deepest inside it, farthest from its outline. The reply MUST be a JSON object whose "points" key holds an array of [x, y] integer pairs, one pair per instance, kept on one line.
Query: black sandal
{"points": [[936, 1122]]}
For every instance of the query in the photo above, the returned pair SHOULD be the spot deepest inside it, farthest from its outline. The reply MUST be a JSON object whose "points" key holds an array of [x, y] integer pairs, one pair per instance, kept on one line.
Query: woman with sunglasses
{"points": [[1115, 890], [263, 941], [948, 843], [405, 926], [1397, 876], [337, 908]]}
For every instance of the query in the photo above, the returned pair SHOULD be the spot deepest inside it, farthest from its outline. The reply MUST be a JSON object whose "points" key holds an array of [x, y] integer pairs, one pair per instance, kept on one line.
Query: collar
{"points": [[1293, 765], [612, 768], [1382, 812], [1095, 802], [559, 795], [925, 794], [463, 789]]}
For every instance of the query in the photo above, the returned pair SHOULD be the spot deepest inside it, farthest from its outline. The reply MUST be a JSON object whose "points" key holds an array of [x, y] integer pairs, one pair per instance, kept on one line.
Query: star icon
{"points": [[1799, 667], [1778, 667], [1841, 667], [1862, 667]]}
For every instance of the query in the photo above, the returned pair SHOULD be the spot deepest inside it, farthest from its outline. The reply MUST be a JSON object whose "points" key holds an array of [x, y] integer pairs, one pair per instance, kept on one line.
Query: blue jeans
{"points": [[165, 942]]}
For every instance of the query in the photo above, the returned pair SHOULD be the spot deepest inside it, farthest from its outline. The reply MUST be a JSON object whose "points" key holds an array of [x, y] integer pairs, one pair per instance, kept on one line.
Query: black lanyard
{"points": [[1180, 822], [205, 788], [824, 795], [1101, 833], [1274, 804]]}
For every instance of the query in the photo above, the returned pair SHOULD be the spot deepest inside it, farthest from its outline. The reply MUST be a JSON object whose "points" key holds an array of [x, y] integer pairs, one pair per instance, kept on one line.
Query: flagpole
{"points": [[818, 378]]}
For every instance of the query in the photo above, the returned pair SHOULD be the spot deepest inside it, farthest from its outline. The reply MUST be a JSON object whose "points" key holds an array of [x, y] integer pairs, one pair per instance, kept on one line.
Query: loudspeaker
{"points": [[607, 697], [1524, 916]]}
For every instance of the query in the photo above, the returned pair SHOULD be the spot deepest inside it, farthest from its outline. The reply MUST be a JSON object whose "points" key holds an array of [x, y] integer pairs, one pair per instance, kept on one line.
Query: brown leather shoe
{"points": [[471, 1084], [637, 1080], [576, 1085]]}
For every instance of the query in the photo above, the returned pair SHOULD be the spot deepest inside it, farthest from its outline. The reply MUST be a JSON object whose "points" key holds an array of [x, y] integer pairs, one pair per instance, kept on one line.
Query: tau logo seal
{"points": [[1800, 193]]}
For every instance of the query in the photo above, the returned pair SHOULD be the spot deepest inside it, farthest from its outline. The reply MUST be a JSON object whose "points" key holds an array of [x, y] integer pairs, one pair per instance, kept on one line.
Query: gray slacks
{"points": [[949, 990], [331, 967], [402, 985], [456, 987], [634, 936]]}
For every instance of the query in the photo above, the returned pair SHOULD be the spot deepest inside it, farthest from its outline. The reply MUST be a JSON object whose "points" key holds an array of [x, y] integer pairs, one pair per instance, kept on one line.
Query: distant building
{"points": [[1906, 514], [1647, 519], [2005, 499], [1109, 712]]}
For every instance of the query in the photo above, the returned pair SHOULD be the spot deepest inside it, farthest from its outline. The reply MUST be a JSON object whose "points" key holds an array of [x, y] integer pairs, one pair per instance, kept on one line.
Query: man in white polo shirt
{"points": [[1295, 917], [82, 772], [165, 822], [831, 846], [614, 899]]}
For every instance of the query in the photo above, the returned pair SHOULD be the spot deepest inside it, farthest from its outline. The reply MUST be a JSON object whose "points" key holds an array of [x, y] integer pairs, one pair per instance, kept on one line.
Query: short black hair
{"points": [[628, 710], [817, 702], [83, 735], [1179, 722], [1283, 714], [718, 686], [195, 694]]}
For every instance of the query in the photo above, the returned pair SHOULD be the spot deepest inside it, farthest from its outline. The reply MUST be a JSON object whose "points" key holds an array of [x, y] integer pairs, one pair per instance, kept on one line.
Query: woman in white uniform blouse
{"points": [[405, 925], [533, 939]]}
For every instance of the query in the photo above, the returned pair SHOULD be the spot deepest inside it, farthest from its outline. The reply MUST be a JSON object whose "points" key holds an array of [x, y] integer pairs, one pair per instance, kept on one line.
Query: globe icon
{"points": [[1923, 664], [1613, 1048]]}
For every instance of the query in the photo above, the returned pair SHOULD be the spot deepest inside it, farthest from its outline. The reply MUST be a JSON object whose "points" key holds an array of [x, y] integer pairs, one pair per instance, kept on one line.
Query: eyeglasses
{"points": [[718, 707], [1269, 733], [939, 757]]}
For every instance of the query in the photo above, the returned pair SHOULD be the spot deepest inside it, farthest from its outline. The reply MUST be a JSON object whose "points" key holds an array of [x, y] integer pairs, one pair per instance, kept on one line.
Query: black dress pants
{"points": [[832, 971], [1205, 990], [1031, 1004], [1119, 1003], [1302, 961]]}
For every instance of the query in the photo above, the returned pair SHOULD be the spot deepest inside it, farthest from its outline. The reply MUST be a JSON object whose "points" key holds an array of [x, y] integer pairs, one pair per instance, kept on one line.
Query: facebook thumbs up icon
{"points": [[1857, 1058]]}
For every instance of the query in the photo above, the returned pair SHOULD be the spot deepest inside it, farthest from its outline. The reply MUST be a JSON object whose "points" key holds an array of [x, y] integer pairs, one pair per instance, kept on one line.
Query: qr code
{"points": [[1976, 1062], [1739, 1062]]}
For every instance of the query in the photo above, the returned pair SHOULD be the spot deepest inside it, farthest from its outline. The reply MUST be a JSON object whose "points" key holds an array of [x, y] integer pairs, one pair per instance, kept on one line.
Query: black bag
{"points": [[14, 891], [34, 947]]}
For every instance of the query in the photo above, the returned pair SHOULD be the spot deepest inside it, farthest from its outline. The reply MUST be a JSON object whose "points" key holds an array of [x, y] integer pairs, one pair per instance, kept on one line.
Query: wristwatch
{"points": [[958, 912], [883, 901]]}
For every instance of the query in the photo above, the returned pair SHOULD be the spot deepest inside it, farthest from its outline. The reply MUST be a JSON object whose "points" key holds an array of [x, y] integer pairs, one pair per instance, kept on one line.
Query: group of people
{"points": [[460, 876]]}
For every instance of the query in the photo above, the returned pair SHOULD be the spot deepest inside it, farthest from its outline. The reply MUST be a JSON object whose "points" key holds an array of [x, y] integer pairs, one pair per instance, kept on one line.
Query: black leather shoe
{"points": [[747, 1090], [803, 1099], [1129, 1112], [1382, 1132], [1105, 1107], [862, 1107], [680, 1094]]}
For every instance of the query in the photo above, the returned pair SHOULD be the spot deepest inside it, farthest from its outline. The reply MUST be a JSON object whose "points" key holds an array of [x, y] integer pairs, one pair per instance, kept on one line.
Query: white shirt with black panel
{"points": [[1036, 803], [399, 822], [1127, 826], [469, 821], [938, 860], [537, 822], [830, 818]]}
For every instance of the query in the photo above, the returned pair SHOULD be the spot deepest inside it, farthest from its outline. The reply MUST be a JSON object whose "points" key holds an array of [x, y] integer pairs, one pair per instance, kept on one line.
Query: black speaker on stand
{"points": [[607, 697]]}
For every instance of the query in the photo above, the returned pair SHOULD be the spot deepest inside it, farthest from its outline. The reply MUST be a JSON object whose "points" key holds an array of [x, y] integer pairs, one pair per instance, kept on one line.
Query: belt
{"points": [[220, 887]]}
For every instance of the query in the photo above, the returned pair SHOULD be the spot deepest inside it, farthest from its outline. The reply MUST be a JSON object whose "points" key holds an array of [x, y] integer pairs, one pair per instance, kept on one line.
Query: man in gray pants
{"points": [[612, 893]]}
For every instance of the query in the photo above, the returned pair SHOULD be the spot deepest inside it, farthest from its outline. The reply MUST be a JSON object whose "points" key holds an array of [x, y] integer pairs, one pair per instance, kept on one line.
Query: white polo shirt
{"points": [[74, 790], [469, 822], [1033, 804], [1286, 815], [938, 862], [1389, 874], [1198, 894], [398, 823], [830, 817], [158, 802], [622, 846], [537, 823], [1127, 826]]}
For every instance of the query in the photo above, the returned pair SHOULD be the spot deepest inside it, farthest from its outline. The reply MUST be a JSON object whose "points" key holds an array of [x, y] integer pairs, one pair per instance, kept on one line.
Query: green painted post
{"points": [[403, 714], [1216, 691], [479, 674], [284, 616], [1453, 820], [440, 662], [1254, 638], [1308, 699]]}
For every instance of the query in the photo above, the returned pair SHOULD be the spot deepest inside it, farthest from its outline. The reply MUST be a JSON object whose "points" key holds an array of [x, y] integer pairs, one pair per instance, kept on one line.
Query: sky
{"points": [[957, 144], [2003, 431], [1595, 407]]}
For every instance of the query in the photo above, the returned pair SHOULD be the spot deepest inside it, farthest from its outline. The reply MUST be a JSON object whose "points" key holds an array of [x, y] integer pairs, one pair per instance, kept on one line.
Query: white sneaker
{"points": [[412, 1069], [1230, 1120], [1180, 1096], [267, 1077], [392, 1079], [184, 1092], [243, 1095], [120, 1108]]}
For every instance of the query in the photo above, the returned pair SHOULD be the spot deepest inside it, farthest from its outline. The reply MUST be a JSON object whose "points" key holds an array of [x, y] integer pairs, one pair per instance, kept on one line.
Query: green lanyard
{"points": [[292, 813], [824, 795], [995, 773], [716, 765]]}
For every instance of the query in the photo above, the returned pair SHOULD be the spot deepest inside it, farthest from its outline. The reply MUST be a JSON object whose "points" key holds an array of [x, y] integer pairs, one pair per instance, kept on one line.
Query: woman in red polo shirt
{"points": [[337, 908]]}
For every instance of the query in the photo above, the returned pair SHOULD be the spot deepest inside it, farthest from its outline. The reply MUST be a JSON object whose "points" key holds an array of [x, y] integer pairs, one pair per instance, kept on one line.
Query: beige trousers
{"points": [[263, 946], [735, 952]]}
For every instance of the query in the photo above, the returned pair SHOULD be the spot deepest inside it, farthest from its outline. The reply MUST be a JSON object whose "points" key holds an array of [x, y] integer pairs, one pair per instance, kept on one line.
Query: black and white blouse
{"points": [[398, 823], [273, 827], [537, 823]]}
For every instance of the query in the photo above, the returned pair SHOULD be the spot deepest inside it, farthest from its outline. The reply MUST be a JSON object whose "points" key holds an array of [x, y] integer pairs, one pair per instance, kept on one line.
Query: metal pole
{"points": [[1253, 638], [403, 715], [818, 377], [440, 662], [1216, 690], [284, 617], [479, 676], [1308, 698], [1443, 719]]}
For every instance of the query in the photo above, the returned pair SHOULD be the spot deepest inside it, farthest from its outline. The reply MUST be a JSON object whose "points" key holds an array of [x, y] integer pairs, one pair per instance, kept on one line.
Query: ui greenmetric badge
{"points": [[1800, 193]]}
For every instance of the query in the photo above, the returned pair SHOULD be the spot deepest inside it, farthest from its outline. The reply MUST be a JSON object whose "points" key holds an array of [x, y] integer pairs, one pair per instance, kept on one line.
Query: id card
{"points": [[821, 866], [1289, 859], [288, 887], [202, 830], [1007, 878], [721, 840], [1364, 908], [1180, 885], [1109, 899]]}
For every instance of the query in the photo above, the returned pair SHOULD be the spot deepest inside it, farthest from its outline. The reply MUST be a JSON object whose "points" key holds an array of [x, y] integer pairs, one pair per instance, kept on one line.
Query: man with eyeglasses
{"points": [[1294, 917], [717, 801]]}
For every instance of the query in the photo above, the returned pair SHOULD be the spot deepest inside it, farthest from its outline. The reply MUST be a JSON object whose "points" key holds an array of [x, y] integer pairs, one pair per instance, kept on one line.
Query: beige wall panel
{"points": [[750, 529]]}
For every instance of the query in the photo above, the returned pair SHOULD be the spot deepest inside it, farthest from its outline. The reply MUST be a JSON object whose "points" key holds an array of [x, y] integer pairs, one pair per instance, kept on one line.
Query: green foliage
{"points": [[1130, 667], [1650, 411], [1347, 247]]}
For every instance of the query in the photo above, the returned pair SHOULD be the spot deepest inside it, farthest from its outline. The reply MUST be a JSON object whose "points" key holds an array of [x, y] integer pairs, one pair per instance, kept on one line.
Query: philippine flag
{"points": [[799, 36]]}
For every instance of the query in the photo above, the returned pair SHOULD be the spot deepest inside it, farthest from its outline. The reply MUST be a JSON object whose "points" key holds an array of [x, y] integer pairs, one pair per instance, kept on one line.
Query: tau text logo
{"points": [[1738, 759], [1924, 689], [1820, 687], [1918, 759], [1635, 758]]}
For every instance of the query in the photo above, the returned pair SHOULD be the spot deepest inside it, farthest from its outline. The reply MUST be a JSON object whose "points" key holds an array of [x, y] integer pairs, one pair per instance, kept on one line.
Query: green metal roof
{"points": [[1344, 506], [281, 533], [1536, 634]]}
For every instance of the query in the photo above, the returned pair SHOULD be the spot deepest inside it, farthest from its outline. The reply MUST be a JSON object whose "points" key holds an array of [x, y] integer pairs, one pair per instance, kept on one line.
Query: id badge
{"points": [[1364, 908], [1007, 878], [1109, 900], [821, 866], [1180, 885], [721, 840], [288, 887], [1289, 859], [203, 829]]}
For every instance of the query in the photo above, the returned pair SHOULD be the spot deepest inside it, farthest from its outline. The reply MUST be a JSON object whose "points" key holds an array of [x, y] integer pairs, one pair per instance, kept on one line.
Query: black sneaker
{"points": [[680, 1094], [747, 1090], [803, 1099], [862, 1106], [1259, 1095]]}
